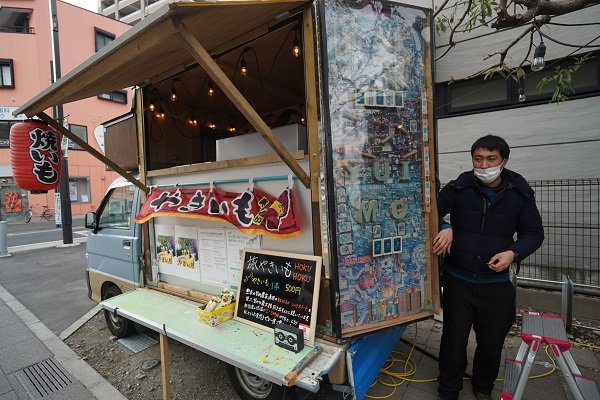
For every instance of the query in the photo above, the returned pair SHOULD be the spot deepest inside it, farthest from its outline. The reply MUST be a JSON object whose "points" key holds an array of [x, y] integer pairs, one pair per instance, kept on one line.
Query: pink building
{"points": [[26, 69]]}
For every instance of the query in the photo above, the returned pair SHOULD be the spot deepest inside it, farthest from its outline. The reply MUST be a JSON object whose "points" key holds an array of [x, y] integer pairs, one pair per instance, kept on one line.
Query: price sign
{"points": [[279, 287]]}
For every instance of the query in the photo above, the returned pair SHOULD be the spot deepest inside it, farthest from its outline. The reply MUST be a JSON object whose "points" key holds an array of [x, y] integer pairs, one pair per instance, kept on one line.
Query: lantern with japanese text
{"points": [[35, 156]]}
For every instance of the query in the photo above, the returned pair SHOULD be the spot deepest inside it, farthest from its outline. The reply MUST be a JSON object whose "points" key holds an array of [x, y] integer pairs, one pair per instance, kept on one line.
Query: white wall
{"points": [[549, 141]]}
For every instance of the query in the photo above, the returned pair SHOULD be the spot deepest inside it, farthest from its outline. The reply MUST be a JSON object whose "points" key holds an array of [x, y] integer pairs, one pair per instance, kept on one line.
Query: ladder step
{"points": [[547, 326], [588, 387], [512, 372]]}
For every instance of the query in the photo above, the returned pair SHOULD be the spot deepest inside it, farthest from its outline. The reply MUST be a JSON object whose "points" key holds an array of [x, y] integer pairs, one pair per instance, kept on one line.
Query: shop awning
{"points": [[151, 50]]}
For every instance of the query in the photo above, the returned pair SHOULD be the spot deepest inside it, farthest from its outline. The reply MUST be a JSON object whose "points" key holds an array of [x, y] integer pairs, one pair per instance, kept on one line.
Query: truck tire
{"points": [[118, 326], [249, 386]]}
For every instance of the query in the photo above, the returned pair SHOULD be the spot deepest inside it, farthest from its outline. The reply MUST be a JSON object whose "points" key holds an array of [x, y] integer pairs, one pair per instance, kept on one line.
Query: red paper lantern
{"points": [[35, 156]]}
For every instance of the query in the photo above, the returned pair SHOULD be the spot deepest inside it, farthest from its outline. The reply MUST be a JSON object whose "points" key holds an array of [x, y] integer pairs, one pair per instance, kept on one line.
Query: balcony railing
{"points": [[16, 29]]}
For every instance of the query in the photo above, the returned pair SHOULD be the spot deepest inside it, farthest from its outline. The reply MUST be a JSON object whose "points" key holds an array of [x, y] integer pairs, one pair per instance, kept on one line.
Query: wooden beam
{"points": [[101, 157], [312, 127], [141, 161], [239, 101], [165, 368]]}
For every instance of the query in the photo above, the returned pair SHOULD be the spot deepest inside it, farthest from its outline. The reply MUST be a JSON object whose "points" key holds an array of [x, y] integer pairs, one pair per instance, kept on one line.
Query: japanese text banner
{"points": [[252, 211]]}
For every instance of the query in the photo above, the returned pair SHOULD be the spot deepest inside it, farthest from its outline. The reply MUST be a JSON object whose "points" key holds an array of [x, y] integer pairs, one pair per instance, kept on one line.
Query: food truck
{"points": [[277, 199]]}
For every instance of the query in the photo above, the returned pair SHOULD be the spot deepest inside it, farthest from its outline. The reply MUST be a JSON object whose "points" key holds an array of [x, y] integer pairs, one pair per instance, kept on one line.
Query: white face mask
{"points": [[488, 175]]}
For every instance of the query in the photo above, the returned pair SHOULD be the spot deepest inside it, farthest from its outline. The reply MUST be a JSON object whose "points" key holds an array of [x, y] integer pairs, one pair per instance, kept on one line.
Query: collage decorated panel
{"points": [[380, 150]]}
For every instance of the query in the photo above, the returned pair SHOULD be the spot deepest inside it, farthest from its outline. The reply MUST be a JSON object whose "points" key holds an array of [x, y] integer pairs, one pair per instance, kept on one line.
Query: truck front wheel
{"points": [[118, 326], [249, 386]]}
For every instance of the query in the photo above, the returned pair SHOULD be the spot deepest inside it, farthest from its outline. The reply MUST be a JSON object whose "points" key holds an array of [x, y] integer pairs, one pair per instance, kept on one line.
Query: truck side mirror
{"points": [[90, 220]]}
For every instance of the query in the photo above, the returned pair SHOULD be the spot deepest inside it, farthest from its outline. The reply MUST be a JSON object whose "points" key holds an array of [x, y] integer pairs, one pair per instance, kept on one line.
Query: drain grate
{"points": [[137, 342], [44, 378]]}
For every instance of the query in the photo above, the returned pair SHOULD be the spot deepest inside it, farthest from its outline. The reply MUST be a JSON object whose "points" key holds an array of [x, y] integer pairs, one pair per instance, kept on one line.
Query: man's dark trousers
{"points": [[490, 309]]}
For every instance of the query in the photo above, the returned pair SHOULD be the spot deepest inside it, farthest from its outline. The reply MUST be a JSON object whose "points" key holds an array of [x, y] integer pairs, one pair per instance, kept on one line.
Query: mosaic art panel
{"points": [[378, 110]]}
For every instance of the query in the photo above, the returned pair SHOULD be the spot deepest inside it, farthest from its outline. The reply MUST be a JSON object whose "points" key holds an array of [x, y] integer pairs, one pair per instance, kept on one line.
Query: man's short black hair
{"points": [[491, 142]]}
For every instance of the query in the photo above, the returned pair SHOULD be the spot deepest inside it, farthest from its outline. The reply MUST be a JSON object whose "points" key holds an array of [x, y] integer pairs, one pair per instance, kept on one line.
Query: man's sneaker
{"points": [[481, 396]]}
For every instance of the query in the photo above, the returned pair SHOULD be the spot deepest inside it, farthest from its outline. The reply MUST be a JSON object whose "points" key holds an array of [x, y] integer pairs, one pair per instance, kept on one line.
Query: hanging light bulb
{"points": [[151, 107], [211, 90], [522, 96], [160, 114], [173, 91], [243, 67], [193, 121], [538, 57], [302, 120], [296, 50]]}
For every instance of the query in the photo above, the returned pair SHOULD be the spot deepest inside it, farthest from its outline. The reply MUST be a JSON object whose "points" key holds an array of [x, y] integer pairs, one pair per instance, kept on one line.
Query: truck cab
{"points": [[113, 249]]}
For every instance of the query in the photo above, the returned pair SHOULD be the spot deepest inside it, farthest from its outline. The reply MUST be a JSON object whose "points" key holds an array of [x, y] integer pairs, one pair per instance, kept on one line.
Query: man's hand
{"points": [[501, 261], [442, 241]]}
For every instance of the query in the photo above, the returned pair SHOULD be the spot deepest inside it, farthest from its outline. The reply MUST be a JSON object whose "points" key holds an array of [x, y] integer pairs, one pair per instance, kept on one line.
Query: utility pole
{"points": [[65, 199]]}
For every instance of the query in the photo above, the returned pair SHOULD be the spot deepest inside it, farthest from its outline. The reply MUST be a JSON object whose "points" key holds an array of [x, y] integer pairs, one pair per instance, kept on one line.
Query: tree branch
{"points": [[451, 38], [536, 8]]}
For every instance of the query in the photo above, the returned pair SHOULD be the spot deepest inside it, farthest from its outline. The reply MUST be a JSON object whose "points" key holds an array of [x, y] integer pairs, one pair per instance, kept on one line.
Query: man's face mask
{"points": [[488, 175]]}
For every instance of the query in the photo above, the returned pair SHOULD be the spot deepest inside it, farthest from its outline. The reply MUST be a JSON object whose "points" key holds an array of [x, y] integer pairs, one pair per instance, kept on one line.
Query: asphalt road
{"points": [[41, 233], [49, 281]]}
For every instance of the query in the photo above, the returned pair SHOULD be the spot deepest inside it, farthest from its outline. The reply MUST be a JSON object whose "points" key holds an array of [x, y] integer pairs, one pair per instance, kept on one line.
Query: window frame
{"points": [[7, 62], [105, 34], [72, 144], [112, 96]]}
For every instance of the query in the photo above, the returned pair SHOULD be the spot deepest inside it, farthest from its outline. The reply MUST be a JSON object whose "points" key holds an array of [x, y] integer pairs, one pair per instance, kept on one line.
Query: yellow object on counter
{"points": [[216, 316]]}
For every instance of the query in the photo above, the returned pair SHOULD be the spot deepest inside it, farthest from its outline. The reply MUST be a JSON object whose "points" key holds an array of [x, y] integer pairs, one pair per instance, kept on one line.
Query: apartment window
{"points": [[79, 190], [81, 132], [15, 20], [103, 38], [6, 73], [118, 96], [481, 95]]}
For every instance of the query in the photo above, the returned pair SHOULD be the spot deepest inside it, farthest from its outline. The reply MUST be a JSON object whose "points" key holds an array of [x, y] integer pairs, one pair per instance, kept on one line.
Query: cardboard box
{"points": [[216, 316]]}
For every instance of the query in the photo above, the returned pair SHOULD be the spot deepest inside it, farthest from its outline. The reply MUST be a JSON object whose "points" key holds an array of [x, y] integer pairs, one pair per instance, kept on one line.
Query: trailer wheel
{"points": [[249, 386], [118, 326]]}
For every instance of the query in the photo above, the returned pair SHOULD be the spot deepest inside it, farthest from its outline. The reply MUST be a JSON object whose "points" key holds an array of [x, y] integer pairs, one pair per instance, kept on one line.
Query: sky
{"points": [[91, 5]]}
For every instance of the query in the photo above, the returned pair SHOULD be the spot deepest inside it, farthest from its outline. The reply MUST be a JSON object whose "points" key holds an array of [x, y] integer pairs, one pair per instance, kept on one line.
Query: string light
{"points": [[538, 57], [522, 96], [243, 66], [211, 90], [193, 121], [151, 107], [296, 49], [540, 50], [173, 91]]}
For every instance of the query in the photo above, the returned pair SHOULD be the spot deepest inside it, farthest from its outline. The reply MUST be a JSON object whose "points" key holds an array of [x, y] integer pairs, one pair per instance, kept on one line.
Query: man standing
{"points": [[487, 206]]}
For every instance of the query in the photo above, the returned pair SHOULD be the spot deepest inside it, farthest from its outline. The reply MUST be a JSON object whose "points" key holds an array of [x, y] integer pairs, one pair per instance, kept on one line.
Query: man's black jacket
{"points": [[483, 228]]}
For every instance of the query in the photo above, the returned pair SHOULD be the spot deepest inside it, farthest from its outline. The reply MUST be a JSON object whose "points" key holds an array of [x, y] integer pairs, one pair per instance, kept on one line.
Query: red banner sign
{"points": [[252, 211]]}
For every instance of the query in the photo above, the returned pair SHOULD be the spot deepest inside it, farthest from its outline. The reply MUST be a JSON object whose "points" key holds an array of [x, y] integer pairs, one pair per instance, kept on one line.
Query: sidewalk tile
{"points": [[23, 354], [13, 334]]}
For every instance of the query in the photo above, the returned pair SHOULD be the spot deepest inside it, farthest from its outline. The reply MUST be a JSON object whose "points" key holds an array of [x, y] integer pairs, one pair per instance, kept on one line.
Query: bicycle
{"points": [[46, 213]]}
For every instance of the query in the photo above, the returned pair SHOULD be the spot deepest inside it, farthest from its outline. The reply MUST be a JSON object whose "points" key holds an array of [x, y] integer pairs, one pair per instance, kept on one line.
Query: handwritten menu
{"points": [[279, 287]]}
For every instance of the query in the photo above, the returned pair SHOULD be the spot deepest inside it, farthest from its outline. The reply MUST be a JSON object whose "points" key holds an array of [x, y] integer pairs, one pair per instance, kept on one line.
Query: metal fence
{"points": [[571, 217]]}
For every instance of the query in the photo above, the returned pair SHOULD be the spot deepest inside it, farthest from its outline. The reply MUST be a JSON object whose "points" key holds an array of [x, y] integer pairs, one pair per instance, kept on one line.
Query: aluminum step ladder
{"points": [[538, 328]]}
